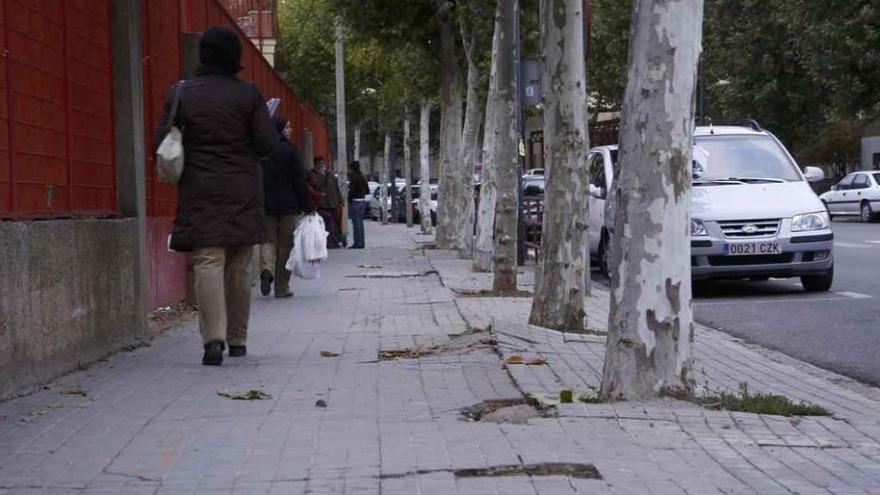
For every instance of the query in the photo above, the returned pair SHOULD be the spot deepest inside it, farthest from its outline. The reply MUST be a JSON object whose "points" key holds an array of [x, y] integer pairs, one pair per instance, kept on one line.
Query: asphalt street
{"points": [[837, 330]]}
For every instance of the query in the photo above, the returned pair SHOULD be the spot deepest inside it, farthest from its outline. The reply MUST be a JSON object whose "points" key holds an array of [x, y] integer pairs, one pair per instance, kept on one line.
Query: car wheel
{"points": [[604, 255], [818, 283], [867, 212]]}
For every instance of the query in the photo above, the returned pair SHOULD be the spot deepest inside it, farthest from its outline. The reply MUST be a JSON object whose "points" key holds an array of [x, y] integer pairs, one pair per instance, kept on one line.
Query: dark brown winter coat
{"points": [[226, 130]]}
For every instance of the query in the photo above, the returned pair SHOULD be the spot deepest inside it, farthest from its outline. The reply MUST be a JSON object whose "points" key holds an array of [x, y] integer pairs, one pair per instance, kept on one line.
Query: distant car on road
{"points": [[753, 214], [534, 172], [857, 194]]}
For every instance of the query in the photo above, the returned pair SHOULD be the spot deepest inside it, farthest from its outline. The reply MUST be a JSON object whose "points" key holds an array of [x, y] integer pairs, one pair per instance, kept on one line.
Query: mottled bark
{"points": [[470, 138], [383, 178], [407, 163], [453, 180], [650, 328], [425, 167], [484, 245], [505, 153], [560, 285]]}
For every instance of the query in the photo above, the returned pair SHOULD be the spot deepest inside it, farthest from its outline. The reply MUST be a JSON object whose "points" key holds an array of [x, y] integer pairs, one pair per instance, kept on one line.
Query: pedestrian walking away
{"points": [[325, 183], [226, 130], [357, 190], [286, 199]]}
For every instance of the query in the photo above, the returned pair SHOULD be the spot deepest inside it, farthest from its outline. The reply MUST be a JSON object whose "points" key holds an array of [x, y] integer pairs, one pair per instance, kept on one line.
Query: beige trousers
{"points": [[274, 253], [223, 292]]}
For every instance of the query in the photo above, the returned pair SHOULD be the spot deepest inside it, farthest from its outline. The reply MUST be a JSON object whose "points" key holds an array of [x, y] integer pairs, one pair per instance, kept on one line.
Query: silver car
{"points": [[754, 215]]}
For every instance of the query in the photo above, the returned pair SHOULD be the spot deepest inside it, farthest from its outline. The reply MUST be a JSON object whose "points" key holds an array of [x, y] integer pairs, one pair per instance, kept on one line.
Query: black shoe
{"points": [[213, 353], [266, 280], [237, 350]]}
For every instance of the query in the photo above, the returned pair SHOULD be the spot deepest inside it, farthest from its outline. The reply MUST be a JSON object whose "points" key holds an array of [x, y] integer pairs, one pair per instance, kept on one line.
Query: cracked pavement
{"points": [[151, 421]]}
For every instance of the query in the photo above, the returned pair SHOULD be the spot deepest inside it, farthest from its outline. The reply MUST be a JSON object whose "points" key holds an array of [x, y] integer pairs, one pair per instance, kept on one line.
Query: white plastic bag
{"points": [[169, 155], [309, 248]]}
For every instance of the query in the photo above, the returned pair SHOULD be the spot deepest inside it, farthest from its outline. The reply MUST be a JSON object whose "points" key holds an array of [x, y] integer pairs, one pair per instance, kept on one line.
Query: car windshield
{"points": [[739, 159], [876, 178]]}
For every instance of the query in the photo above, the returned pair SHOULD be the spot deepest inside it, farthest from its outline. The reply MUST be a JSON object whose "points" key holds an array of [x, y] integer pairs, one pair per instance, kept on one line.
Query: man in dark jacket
{"points": [[357, 189], [226, 129], [286, 197]]}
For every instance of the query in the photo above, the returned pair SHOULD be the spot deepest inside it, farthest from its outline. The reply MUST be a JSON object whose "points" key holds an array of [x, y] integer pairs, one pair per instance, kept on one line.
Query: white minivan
{"points": [[753, 213]]}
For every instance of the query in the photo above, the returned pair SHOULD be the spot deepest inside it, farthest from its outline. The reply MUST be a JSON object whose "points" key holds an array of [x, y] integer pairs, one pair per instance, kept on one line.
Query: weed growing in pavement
{"points": [[759, 403]]}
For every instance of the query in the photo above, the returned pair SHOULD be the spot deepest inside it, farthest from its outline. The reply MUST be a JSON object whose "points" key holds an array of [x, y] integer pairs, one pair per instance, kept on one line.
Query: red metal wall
{"points": [[56, 112], [161, 31], [56, 94]]}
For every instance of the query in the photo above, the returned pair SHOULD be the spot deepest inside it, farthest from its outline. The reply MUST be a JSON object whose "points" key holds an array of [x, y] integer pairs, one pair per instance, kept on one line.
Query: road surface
{"points": [[837, 330]]}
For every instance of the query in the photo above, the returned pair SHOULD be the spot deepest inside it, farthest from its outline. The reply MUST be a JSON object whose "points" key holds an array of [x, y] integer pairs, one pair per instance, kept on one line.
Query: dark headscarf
{"points": [[354, 166], [220, 51], [280, 123]]}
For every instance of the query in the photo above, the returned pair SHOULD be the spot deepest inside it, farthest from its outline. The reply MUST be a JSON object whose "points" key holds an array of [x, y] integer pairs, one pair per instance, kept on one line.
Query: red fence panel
{"points": [[6, 199], [161, 37], [57, 109]]}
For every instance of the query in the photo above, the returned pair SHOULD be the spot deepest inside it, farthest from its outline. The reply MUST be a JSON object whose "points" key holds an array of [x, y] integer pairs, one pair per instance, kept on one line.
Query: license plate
{"points": [[750, 248]]}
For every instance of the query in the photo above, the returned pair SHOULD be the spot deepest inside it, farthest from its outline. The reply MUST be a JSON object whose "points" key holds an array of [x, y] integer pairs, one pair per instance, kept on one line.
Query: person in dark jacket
{"points": [[325, 183], [286, 197], [226, 130], [357, 189]]}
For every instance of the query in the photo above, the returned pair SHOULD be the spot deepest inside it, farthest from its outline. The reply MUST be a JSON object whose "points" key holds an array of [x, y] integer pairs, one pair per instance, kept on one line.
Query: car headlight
{"points": [[697, 228], [810, 221]]}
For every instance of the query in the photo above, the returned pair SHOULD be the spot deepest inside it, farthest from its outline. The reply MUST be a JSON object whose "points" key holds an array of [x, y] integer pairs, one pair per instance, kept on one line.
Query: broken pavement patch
{"points": [[244, 395]]}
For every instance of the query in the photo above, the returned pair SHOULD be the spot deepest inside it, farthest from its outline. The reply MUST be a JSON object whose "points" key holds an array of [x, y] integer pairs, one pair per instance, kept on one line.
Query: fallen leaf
{"points": [[537, 361], [320, 403], [244, 395], [370, 267], [515, 360], [329, 354], [566, 397]]}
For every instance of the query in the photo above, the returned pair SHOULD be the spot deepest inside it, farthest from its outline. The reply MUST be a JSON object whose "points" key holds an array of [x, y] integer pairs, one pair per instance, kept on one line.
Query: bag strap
{"points": [[175, 103]]}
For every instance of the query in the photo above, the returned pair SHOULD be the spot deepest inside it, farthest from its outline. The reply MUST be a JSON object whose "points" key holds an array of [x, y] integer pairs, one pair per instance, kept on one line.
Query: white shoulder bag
{"points": [[169, 156]]}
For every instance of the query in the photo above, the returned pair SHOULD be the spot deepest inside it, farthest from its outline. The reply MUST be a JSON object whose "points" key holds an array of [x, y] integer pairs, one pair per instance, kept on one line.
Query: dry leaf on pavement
{"points": [[515, 360], [329, 354]]}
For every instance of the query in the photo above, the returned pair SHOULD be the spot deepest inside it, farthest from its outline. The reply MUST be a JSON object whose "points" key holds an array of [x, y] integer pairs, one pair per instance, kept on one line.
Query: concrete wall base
{"points": [[67, 297]]}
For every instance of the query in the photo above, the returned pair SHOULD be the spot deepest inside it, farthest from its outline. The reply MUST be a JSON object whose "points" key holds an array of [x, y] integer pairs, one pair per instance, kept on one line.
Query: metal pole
{"points": [[341, 151], [520, 220], [701, 92]]}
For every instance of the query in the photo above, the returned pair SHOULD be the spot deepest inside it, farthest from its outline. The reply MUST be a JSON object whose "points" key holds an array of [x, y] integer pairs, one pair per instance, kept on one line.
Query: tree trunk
{"points": [[470, 135], [453, 180], [357, 144], [383, 179], [407, 163], [560, 284], [425, 166], [505, 152], [650, 327], [484, 245], [341, 138]]}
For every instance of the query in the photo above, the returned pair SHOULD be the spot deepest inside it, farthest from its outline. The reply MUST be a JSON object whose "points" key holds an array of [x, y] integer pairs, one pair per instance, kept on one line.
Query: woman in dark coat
{"points": [[226, 129], [286, 198]]}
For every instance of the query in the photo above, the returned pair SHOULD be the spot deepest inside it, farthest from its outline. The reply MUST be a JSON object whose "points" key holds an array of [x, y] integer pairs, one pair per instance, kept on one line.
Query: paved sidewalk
{"points": [[150, 420]]}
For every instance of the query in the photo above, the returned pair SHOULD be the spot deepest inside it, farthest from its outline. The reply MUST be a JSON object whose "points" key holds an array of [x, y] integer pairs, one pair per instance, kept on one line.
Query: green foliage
{"points": [[606, 65], [745, 401]]}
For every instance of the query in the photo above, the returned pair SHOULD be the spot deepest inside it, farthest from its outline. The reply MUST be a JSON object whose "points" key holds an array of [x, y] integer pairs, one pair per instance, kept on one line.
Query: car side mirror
{"points": [[834, 187], [814, 174], [597, 192]]}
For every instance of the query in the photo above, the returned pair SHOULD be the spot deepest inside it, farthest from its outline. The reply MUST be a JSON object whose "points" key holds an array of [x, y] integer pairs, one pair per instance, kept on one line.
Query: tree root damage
{"points": [[462, 344]]}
